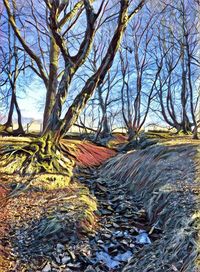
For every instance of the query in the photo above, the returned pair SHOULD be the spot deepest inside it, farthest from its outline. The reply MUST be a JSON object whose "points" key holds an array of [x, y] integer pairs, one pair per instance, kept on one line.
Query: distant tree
{"points": [[178, 45], [10, 72], [106, 93], [12, 65], [139, 75]]}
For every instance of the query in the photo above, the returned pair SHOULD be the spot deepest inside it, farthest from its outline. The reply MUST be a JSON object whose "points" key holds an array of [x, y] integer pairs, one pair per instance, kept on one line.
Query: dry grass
{"points": [[164, 179], [87, 154]]}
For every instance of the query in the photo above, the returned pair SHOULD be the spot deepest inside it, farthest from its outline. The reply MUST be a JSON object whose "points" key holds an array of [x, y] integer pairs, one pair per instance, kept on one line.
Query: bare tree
{"points": [[138, 73], [178, 43], [59, 13], [12, 66], [106, 93], [99, 108]]}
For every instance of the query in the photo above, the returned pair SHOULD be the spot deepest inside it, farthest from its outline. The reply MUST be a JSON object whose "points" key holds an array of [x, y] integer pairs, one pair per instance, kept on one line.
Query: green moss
{"points": [[89, 201], [156, 134], [50, 182], [38, 156]]}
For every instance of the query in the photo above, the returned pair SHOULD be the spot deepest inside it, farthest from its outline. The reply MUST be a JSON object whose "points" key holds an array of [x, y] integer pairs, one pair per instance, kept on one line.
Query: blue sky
{"points": [[30, 102]]}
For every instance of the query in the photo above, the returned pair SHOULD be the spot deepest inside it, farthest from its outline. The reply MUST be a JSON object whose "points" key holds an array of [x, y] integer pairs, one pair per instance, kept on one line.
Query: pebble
{"points": [[143, 238], [107, 236], [60, 248], [47, 268], [66, 259]]}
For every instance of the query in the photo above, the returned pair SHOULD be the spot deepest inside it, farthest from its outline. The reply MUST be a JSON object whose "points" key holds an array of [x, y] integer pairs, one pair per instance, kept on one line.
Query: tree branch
{"points": [[24, 44]]}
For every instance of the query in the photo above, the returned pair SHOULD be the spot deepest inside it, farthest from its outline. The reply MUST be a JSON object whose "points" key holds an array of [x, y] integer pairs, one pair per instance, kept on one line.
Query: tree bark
{"points": [[105, 129], [53, 81], [131, 133], [9, 122], [20, 129]]}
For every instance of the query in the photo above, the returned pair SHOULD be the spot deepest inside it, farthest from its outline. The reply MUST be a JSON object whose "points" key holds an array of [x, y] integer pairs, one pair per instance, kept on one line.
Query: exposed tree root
{"points": [[46, 165], [38, 156]]}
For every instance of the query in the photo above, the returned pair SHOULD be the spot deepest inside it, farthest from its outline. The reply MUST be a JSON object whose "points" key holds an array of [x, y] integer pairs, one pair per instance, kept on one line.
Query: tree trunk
{"points": [[50, 98], [53, 81], [132, 132], [20, 129], [105, 127], [195, 133], [9, 122]]}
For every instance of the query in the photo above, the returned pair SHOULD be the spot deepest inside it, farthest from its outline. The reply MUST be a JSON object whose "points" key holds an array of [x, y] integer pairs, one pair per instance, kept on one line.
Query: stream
{"points": [[122, 229]]}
